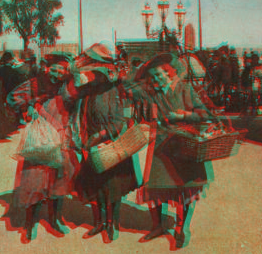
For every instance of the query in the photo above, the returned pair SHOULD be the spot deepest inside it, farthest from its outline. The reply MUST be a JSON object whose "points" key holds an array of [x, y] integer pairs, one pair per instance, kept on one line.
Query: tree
{"points": [[48, 21], [34, 20]]}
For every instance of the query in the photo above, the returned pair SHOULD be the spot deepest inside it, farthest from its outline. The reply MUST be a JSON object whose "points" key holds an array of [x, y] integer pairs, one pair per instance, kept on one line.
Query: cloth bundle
{"points": [[41, 144]]}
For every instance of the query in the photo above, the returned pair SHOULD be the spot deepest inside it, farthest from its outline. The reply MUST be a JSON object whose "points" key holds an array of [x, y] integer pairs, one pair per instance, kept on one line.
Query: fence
{"points": [[41, 52], [69, 47]]}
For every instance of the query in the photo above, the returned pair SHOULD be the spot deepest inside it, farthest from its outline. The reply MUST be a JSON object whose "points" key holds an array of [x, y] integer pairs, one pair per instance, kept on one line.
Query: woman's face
{"points": [[57, 73], [159, 77]]}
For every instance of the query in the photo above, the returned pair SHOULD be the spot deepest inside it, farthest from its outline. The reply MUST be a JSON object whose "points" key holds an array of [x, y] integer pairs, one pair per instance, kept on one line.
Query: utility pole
{"points": [[199, 25], [115, 37], [80, 44]]}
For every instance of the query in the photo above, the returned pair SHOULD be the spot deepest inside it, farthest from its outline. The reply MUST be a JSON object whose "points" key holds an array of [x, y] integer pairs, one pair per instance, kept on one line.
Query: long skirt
{"points": [[174, 179], [36, 183], [110, 185]]}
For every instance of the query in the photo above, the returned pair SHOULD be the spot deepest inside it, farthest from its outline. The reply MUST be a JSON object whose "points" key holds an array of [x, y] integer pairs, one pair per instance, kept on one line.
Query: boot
{"points": [[54, 211], [32, 213], [156, 214], [109, 222], [110, 230], [97, 213], [112, 224], [179, 233], [116, 213]]}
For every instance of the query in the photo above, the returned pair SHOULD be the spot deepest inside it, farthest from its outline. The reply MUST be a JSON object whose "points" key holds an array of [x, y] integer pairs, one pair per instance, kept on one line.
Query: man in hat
{"points": [[215, 73], [246, 82], [169, 101], [235, 67]]}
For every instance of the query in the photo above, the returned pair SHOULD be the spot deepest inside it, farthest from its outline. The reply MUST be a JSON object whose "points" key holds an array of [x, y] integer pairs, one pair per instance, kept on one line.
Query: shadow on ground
{"points": [[75, 214]]}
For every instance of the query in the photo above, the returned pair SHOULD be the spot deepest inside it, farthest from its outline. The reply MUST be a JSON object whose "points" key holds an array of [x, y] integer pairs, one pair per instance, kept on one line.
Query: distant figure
{"points": [[226, 72], [33, 66], [122, 54], [42, 66], [215, 72], [233, 58], [12, 72], [254, 59], [245, 76], [244, 58], [256, 77]]}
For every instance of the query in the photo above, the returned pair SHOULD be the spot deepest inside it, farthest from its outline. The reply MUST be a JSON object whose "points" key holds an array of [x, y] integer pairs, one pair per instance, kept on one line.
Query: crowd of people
{"points": [[91, 101], [231, 79]]}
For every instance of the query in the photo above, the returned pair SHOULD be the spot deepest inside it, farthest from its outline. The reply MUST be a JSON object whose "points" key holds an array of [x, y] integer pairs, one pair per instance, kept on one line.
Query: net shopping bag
{"points": [[41, 144]]}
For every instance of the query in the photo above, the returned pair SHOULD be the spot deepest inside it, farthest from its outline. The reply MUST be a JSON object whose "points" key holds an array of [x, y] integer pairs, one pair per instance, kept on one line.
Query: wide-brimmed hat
{"points": [[100, 57], [101, 52], [59, 56], [156, 61]]}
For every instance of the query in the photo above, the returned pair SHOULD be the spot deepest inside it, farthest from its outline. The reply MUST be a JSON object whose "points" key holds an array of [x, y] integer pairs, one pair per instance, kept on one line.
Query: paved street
{"points": [[227, 220]]}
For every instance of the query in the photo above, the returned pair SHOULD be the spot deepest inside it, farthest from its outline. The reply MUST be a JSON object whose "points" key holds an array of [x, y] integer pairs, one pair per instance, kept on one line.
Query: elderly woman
{"points": [[169, 100], [53, 97], [105, 116]]}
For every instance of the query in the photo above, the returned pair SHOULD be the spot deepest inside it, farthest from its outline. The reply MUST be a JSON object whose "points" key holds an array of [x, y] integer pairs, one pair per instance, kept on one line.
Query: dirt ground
{"points": [[227, 219]]}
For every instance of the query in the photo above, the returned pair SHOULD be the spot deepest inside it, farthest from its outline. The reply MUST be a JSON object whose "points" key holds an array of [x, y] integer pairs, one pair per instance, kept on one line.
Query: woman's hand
{"points": [[175, 116], [32, 113], [80, 79], [94, 139]]}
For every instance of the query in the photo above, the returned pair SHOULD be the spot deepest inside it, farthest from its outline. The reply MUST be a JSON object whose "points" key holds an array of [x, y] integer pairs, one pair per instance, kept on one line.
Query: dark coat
{"points": [[11, 78], [104, 112]]}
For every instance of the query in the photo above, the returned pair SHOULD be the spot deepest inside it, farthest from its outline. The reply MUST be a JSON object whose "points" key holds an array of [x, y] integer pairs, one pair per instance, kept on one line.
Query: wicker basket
{"points": [[207, 149], [106, 156]]}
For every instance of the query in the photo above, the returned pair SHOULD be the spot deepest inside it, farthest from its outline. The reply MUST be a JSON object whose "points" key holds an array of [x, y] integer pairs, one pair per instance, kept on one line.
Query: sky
{"points": [[234, 22]]}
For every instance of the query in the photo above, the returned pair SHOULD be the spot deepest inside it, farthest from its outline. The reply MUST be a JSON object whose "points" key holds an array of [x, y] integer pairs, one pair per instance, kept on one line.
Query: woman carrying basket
{"points": [[104, 120], [169, 100]]}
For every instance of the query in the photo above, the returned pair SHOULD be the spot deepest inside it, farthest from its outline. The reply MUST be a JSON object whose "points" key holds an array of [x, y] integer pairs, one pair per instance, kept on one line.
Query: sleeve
{"points": [[20, 98], [85, 84], [195, 109], [144, 107], [97, 83], [113, 117], [191, 98]]}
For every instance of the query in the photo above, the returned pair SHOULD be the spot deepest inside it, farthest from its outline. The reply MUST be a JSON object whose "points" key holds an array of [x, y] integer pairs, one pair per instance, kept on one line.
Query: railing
{"points": [[147, 46]]}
